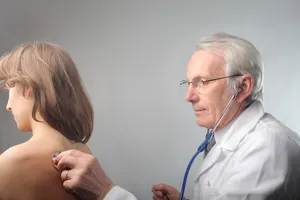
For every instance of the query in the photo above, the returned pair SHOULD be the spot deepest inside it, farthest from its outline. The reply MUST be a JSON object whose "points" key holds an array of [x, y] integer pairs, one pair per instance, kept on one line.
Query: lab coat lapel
{"points": [[210, 160]]}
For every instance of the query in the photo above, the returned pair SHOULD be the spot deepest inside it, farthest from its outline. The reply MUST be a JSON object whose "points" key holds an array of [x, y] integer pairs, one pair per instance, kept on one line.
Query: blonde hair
{"points": [[59, 97]]}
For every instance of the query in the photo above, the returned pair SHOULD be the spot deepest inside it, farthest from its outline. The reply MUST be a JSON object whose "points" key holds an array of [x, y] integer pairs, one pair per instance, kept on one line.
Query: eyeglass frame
{"points": [[206, 81]]}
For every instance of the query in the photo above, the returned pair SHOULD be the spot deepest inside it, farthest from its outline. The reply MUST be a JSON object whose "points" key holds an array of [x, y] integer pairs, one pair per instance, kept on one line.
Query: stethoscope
{"points": [[203, 146]]}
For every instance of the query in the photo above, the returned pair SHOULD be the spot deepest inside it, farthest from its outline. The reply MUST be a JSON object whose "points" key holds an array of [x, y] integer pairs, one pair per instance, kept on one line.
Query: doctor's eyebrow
{"points": [[197, 77]]}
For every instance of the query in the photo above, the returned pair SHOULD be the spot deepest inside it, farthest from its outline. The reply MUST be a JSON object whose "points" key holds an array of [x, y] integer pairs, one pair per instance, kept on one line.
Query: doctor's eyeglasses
{"points": [[198, 82]]}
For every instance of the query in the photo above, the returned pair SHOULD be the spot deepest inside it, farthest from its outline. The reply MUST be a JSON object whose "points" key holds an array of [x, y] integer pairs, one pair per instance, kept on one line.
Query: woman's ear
{"points": [[27, 92], [245, 88]]}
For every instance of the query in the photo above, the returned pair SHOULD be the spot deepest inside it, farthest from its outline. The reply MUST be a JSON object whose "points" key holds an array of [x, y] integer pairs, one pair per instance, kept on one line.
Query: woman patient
{"points": [[46, 98]]}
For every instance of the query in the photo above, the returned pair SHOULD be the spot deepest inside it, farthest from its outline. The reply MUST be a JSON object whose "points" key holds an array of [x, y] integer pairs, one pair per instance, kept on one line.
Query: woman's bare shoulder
{"points": [[13, 167], [39, 150], [15, 158], [28, 170], [24, 154]]}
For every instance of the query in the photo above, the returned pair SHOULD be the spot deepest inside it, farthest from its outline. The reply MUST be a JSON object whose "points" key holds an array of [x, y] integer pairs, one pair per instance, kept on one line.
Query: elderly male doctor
{"points": [[252, 155]]}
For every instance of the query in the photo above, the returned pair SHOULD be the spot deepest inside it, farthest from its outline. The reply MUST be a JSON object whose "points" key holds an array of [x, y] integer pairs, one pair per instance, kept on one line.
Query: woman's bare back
{"points": [[27, 171]]}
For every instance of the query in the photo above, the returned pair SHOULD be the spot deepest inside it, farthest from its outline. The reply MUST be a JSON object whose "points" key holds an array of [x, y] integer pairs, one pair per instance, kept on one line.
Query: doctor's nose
{"points": [[191, 95]]}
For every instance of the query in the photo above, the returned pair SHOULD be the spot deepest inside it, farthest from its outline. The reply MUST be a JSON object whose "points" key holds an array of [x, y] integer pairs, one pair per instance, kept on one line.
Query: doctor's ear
{"points": [[245, 88]]}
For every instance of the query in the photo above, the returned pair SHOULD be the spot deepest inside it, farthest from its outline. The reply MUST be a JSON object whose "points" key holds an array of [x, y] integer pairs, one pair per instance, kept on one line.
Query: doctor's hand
{"points": [[82, 175], [165, 192]]}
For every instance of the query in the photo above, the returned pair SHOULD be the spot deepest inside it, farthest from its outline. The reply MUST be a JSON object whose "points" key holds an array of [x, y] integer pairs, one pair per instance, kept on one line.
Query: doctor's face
{"points": [[210, 98]]}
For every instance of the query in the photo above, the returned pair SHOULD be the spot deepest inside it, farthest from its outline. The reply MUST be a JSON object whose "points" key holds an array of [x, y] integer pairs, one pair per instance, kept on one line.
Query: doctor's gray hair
{"points": [[241, 57]]}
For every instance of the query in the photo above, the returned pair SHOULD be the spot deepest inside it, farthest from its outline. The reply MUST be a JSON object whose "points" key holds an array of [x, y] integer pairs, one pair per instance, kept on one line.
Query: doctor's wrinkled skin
{"points": [[253, 156]]}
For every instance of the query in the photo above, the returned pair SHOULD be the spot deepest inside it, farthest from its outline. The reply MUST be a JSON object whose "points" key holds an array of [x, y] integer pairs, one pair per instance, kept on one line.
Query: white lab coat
{"points": [[118, 193], [255, 158]]}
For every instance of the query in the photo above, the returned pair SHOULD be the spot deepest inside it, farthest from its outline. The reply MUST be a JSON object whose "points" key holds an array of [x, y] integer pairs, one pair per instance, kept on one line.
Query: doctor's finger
{"points": [[67, 175], [162, 187], [72, 152], [158, 193], [70, 186], [66, 162]]}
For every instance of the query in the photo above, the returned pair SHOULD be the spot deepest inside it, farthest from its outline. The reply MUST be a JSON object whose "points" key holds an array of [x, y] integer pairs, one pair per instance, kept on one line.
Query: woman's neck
{"points": [[44, 134], [44, 130]]}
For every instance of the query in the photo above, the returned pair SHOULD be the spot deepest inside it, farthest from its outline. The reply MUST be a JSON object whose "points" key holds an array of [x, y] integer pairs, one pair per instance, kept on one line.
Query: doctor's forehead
{"points": [[205, 64]]}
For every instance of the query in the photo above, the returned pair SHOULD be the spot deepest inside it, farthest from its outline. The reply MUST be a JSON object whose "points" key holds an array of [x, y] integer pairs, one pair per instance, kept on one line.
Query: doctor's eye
{"points": [[197, 82]]}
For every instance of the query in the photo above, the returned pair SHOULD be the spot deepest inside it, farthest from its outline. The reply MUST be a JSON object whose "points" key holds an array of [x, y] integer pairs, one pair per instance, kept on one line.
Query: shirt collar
{"points": [[231, 135]]}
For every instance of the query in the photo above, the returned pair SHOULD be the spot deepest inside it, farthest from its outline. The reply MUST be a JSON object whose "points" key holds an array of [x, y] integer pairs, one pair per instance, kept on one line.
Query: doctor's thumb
{"points": [[160, 186]]}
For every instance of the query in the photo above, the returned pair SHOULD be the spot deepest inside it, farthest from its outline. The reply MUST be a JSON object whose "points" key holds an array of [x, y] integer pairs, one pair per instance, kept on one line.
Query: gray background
{"points": [[132, 55]]}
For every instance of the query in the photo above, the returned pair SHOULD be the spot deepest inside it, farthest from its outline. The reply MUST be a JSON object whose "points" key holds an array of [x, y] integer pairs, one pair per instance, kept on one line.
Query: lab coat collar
{"points": [[229, 137], [241, 126]]}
